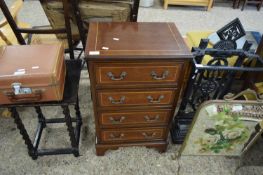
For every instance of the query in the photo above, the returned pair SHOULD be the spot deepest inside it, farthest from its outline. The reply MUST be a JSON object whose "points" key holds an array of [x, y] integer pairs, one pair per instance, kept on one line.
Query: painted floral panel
{"points": [[218, 130]]}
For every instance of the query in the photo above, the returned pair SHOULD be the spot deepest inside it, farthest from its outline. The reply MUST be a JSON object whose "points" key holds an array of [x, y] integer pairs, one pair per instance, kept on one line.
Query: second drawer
{"points": [[117, 97], [138, 73], [129, 118]]}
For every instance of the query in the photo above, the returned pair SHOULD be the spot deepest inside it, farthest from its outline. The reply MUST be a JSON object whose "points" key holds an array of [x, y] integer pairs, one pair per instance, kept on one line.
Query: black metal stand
{"points": [[76, 11], [211, 81], [70, 98], [134, 11]]}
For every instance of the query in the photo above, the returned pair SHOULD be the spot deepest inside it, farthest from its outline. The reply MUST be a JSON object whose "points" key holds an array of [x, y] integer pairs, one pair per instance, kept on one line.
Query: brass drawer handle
{"points": [[148, 136], [152, 119], [151, 100], [116, 121], [116, 136], [121, 77], [116, 102], [156, 77]]}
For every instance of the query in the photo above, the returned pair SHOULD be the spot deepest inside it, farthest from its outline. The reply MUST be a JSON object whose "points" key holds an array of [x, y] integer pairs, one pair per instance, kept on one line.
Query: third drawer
{"points": [[134, 118]]}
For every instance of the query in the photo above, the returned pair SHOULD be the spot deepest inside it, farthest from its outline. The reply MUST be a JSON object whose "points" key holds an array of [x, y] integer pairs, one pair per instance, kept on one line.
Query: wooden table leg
{"points": [[260, 5], [244, 4], [210, 4], [236, 4]]}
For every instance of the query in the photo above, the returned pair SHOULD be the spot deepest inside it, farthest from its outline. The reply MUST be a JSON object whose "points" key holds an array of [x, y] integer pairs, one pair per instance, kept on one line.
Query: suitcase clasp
{"points": [[18, 90]]}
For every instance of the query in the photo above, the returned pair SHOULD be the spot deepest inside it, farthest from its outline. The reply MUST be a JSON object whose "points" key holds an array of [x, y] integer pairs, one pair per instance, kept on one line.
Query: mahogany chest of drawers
{"points": [[137, 72]]}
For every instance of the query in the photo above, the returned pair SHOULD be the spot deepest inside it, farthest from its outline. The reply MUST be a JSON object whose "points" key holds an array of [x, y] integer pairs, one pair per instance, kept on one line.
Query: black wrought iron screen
{"points": [[215, 78]]}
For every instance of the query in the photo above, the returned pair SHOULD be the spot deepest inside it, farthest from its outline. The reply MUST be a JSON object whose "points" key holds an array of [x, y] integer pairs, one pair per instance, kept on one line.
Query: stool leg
{"points": [[234, 4], [245, 3], [72, 137], [134, 11], [23, 132], [165, 4], [78, 115], [259, 5], [40, 127], [41, 118], [210, 5], [78, 122], [238, 4], [78, 19]]}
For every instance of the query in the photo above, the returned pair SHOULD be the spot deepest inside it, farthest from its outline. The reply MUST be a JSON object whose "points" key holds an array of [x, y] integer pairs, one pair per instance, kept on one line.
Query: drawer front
{"points": [[112, 119], [135, 98], [136, 73], [127, 135]]}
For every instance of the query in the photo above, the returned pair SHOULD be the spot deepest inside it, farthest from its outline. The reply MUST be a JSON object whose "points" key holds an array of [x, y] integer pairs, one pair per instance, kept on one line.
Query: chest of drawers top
{"points": [[130, 40]]}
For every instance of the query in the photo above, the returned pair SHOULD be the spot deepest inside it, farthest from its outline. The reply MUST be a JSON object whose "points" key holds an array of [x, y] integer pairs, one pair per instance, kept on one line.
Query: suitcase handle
{"points": [[35, 96]]}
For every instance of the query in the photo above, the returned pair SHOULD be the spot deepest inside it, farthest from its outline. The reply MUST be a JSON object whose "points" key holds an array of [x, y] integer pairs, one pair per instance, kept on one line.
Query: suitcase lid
{"points": [[30, 65]]}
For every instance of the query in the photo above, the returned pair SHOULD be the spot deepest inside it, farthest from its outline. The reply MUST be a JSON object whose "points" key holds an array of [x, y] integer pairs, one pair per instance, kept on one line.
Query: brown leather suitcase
{"points": [[32, 73]]}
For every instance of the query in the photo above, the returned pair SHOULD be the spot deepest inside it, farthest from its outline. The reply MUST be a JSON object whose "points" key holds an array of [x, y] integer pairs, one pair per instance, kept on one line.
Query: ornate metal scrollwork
{"points": [[215, 78], [208, 87]]}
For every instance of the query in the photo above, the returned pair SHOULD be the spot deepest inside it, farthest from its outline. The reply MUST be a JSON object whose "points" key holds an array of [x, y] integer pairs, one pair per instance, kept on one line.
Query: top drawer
{"points": [[138, 73]]}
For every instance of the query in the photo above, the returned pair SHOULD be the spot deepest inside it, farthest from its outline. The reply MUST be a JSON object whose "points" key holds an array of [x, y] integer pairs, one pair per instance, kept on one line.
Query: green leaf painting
{"points": [[227, 132]]}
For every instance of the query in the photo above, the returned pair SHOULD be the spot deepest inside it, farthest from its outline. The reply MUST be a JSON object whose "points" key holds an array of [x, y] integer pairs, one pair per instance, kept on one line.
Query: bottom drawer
{"points": [[134, 134]]}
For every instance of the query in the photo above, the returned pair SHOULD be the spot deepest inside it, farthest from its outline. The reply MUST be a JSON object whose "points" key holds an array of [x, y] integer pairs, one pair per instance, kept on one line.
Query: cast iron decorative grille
{"points": [[215, 78]]}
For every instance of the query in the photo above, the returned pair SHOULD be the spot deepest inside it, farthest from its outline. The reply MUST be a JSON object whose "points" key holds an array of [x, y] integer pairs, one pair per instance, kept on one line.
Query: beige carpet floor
{"points": [[124, 161]]}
